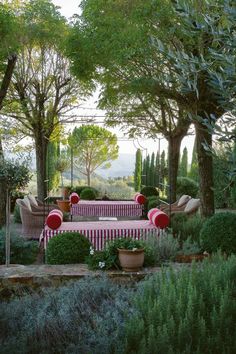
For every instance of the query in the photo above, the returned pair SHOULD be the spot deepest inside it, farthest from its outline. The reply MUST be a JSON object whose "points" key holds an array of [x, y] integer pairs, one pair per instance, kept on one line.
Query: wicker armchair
{"points": [[180, 203], [32, 222], [38, 206], [190, 208]]}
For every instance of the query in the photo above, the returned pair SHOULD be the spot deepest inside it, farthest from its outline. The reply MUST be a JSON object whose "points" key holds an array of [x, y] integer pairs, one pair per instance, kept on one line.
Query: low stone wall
{"points": [[18, 280]]}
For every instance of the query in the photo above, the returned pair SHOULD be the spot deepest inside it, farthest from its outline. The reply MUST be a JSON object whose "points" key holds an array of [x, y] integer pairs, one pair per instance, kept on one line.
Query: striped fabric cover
{"points": [[106, 208], [99, 232]]}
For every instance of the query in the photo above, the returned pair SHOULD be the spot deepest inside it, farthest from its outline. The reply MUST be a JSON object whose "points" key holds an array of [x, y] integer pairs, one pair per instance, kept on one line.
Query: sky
{"points": [[70, 7]]}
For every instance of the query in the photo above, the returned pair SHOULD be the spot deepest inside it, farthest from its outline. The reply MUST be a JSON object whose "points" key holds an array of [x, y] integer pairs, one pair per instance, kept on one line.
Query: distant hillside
{"points": [[123, 166]]}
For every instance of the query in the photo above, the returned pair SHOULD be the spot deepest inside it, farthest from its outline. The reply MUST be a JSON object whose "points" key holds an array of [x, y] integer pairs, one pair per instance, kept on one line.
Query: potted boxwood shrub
{"points": [[131, 254]]}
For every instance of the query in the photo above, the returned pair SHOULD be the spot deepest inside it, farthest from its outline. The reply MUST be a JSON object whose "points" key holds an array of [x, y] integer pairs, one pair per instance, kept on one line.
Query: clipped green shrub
{"points": [[22, 251], [67, 248], [79, 189], [149, 191], [87, 316], [153, 202], [219, 232], [16, 215], [186, 185], [189, 311], [88, 194]]}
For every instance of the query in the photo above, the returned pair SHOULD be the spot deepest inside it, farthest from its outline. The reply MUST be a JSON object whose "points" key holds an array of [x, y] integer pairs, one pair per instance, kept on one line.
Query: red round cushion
{"points": [[57, 211], [54, 221], [151, 213], [135, 196], [160, 219], [74, 198], [141, 199]]}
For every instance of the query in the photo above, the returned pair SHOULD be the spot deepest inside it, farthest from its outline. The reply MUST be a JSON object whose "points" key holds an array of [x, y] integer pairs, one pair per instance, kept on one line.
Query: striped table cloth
{"points": [[106, 208], [99, 232]]}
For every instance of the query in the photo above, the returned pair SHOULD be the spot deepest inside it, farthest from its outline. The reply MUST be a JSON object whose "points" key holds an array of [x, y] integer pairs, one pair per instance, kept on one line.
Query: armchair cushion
{"points": [[32, 200], [192, 205], [26, 202], [183, 200]]}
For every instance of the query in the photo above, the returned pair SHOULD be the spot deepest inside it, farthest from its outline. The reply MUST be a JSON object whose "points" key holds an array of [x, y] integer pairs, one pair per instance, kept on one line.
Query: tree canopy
{"points": [[93, 147], [159, 54]]}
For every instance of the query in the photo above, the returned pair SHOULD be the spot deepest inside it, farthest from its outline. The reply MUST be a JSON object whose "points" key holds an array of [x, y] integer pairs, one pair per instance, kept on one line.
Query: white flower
{"points": [[101, 264], [134, 249], [91, 251]]}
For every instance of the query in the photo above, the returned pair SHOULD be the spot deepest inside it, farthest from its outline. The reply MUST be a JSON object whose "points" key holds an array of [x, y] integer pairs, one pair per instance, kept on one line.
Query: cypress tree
{"points": [[183, 166], [148, 170], [193, 173], [152, 170], [138, 171], [157, 170], [144, 180]]}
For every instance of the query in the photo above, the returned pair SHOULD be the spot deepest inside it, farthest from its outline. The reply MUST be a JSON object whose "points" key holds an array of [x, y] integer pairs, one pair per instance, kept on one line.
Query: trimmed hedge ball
{"points": [[88, 194], [149, 191], [219, 232], [67, 248]]}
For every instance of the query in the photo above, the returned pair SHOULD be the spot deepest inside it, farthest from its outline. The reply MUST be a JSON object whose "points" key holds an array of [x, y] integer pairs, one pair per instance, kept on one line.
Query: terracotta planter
{"points": [[64, 205], [131, 261], [182, 258]]}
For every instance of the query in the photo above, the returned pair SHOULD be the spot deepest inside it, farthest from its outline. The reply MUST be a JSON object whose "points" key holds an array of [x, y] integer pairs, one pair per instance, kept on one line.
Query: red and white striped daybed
{"points": [[106, 208], [98, 232]]}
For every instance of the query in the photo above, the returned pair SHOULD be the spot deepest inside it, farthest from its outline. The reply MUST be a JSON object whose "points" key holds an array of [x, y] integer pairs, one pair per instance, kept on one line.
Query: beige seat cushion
{"points": [[32, 200], [192, 205], [27, 203], [183, 200]]}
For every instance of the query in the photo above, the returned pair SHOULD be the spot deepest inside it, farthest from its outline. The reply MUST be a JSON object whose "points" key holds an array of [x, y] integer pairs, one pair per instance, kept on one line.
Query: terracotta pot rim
{"points": [[137, 250]]}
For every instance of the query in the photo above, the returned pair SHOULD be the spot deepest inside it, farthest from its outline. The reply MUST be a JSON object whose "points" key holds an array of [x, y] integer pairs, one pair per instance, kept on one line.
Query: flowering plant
{"points": [[108, 258]]}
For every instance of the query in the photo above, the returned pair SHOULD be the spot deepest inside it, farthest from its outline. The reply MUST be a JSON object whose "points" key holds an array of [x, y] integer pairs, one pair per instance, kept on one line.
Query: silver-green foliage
{"points": [[188, 311], [164, 248], [190, 247], [83, 317]]}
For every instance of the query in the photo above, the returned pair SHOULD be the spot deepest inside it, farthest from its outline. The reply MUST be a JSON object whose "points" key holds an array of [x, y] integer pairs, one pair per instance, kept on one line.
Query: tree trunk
{"points": [[205, 164], [41, 158], [2, 192], [7, 77], [173, 164], [3, 91], [88, 179], [2, 202], [7, 237]]}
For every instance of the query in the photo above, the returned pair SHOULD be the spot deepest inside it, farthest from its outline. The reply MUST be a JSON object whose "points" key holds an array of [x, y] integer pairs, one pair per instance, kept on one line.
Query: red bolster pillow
{"points": [[54, 220], [74, 198], [160, 219], [140, 198], [57, 211], [151, 213], [135, 196]]}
